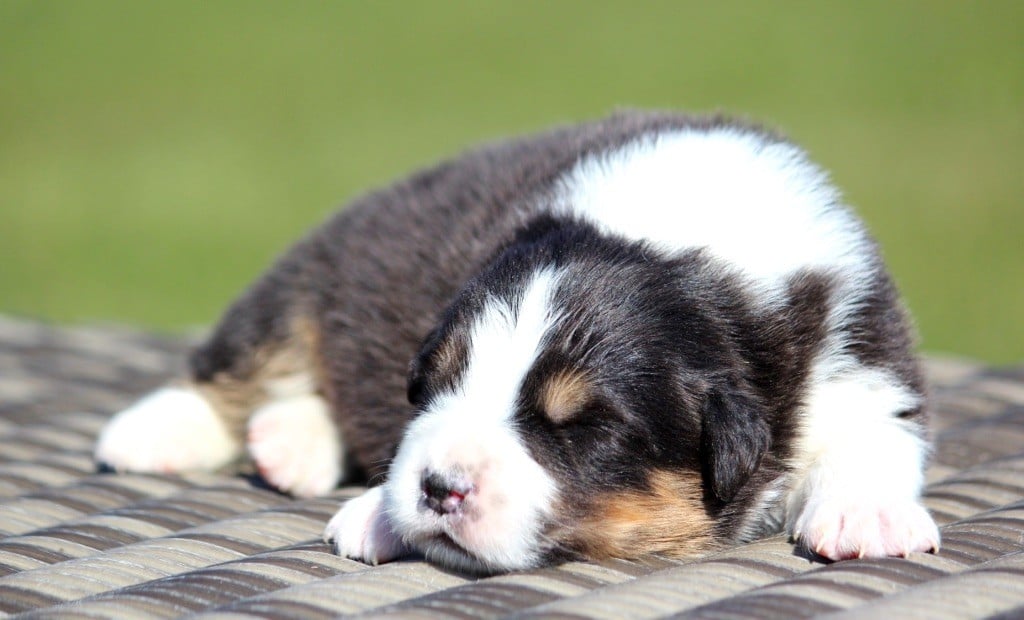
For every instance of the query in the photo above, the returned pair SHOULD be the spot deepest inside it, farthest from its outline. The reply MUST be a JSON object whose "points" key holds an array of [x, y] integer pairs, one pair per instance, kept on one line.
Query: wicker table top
{"points": [[77, 543]]}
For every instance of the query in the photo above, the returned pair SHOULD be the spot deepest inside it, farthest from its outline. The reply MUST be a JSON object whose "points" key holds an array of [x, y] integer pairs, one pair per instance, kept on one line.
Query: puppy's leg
{"points": [[362, 530], [171, 430], [262, 356], [858, 470], [296, 445]]}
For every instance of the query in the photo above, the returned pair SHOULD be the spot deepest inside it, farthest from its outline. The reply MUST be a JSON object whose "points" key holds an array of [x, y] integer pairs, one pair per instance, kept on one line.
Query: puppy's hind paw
{"points": [[362, 531], [171, 430], [841, 529], [295, 446]]}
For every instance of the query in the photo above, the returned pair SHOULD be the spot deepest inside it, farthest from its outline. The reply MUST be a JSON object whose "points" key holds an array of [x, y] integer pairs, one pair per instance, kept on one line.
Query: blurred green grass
{"points": [[154, 156]]}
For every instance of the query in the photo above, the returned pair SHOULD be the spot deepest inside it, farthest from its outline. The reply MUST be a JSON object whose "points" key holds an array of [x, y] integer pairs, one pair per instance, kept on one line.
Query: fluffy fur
{"points": [[647, 334]]}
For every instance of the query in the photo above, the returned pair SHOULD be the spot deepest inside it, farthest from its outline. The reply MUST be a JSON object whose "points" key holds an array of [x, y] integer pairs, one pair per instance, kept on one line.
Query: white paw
{"points": [[362, 531], [843, 528], [171, 430], [295, 445]]}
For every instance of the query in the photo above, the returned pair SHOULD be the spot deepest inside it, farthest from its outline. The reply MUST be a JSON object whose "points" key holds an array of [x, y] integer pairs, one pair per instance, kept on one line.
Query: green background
{"points": [[154, 156]]}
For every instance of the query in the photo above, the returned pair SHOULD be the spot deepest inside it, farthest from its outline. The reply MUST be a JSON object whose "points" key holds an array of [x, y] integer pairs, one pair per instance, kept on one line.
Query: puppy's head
{"points": [[575, 400]]}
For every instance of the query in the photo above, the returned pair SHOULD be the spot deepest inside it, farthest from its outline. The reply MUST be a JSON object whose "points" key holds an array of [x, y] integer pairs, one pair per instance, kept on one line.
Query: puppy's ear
{"points": [[416, 383], [734, 437], [416, 377]]}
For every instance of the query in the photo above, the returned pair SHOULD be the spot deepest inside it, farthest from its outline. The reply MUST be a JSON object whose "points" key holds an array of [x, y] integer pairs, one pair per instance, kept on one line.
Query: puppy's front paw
{"points": [[171, 430], [362, 531], [843, 528], [295, 445]]}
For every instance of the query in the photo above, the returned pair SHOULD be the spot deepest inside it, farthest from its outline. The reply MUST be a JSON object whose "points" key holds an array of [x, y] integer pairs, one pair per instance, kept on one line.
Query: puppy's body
{"points": [[650, 333]]}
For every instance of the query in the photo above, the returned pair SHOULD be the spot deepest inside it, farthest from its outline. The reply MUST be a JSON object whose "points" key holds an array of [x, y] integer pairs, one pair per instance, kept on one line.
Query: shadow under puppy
{"points": [[652, 333]]}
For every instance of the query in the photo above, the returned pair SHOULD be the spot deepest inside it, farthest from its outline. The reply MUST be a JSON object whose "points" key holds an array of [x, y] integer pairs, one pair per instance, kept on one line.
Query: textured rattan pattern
{"points": [[75, 543]]}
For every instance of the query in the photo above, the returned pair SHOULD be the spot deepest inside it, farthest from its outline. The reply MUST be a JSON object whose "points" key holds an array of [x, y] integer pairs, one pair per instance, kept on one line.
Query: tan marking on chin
{"points": [[667, 518]]}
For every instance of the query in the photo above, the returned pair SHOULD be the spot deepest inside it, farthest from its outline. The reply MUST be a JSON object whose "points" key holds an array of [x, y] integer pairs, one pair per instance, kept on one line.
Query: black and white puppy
{"points": [[648, 334]]}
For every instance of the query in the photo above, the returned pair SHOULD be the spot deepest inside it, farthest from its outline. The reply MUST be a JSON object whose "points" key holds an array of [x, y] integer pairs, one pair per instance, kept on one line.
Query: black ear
{"points": [[734, 437], [416, 379]]}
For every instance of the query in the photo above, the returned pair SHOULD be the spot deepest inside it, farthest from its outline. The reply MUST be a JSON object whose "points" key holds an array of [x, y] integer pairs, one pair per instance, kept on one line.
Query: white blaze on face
{"points": [[470, 433]]}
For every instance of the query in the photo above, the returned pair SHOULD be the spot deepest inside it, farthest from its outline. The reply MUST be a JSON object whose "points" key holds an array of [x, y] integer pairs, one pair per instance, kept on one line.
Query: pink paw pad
{"points": [[846, 529]]}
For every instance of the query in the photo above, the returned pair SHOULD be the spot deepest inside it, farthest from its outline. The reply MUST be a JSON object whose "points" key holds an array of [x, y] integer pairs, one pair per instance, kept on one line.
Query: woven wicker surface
{"points": [[77, 543]]}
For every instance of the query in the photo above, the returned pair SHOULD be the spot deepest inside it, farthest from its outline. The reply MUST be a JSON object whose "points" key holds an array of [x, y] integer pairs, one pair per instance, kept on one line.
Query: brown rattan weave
{"points": [[75, 543]]}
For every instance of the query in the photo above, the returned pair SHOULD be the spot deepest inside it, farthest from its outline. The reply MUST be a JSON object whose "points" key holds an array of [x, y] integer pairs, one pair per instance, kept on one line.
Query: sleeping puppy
{"points": [[648, 334]]}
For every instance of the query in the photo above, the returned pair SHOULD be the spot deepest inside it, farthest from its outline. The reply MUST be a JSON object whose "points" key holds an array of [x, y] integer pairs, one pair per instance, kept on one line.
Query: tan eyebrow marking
{"points": [[563, 395]]}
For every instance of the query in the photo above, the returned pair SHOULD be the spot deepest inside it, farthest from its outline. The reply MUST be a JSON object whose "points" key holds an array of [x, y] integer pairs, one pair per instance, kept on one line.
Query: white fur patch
{"points": [[760, 206], [503, 345], [171, 430], [296, 446], [468, 433], [858, 469]]}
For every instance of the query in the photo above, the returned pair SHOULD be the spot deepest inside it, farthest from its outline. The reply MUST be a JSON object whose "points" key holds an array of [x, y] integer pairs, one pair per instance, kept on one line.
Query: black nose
{"points": [[443, 494]]}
